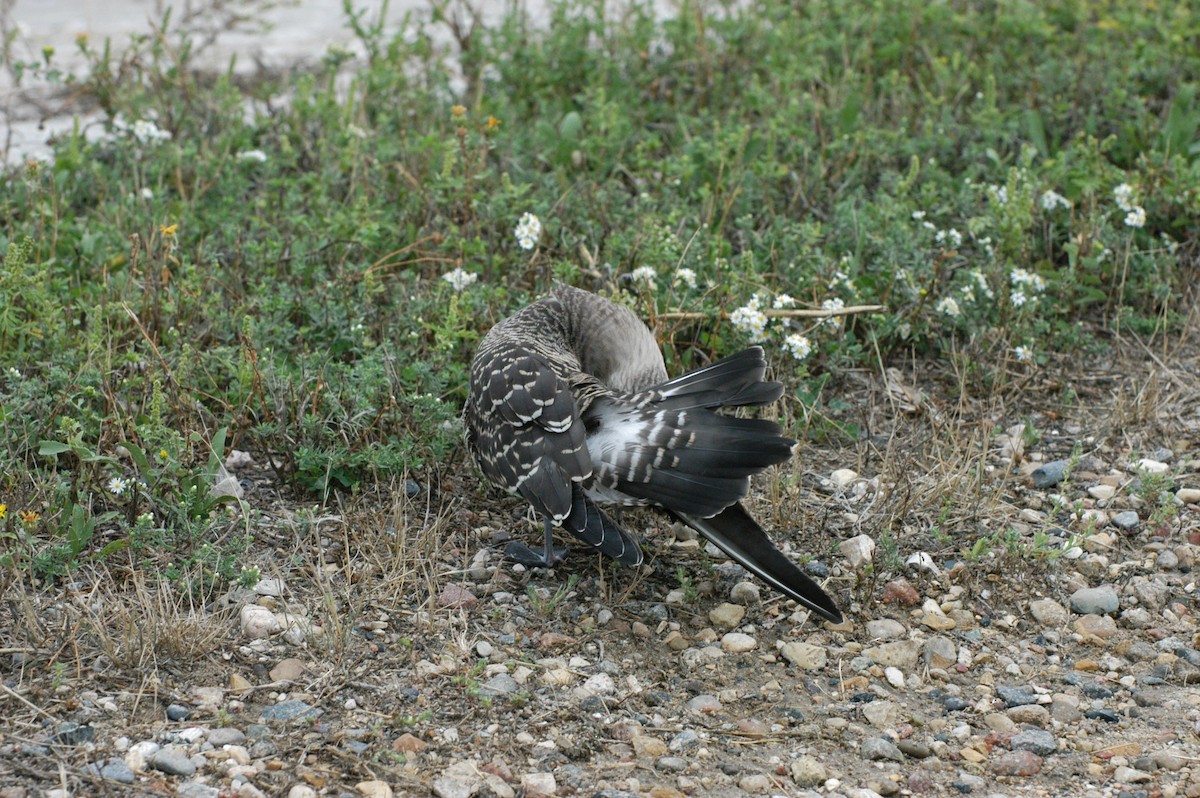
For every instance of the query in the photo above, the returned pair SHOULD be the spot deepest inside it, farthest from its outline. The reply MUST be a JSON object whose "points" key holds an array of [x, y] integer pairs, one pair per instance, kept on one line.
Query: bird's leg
{"points": [[548, 557]]}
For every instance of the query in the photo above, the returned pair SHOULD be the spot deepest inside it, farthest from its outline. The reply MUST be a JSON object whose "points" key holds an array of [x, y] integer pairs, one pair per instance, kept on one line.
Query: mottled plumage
{"points": [[570, 407]]}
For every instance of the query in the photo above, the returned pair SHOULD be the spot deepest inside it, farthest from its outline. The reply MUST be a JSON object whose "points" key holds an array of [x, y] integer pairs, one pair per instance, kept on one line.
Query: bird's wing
{"points": [[734, 532]]}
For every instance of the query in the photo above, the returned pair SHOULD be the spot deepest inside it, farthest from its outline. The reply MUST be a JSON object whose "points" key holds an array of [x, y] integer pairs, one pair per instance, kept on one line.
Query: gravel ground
{"points": [[1029, 632]]}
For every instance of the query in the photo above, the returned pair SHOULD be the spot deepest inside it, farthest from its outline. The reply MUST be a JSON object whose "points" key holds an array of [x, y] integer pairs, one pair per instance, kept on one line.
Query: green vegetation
{"points": [[223, 269]]}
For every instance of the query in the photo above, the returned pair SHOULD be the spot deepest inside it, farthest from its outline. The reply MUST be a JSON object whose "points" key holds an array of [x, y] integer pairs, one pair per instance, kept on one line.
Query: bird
{"points": [[570, 407]]}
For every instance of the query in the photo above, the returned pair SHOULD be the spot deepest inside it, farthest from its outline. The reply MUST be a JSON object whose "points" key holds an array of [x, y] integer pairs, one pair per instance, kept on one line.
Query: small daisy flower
{"points": [[459, 278], [798, 345], [529, 230], [1136, 217], [948, 306], [146, 194], [750, 320], [1052, 200], [644, 274], [982, 284], [918, 215], [1019, 298], [929, 225], [686, 276], [1123, 194], [117, 486], [258, 156], [1023, 278], [832, 304], [968, 293], [784, 301], [1024, 354], [999, 194], [146, 132], [951, 237]]}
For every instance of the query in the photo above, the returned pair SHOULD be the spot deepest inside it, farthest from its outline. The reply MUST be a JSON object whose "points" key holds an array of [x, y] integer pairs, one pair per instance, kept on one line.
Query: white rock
{"points": [[138, 755], [843, 477], [1102, 492], [225, 484], [600, 684], [269, 587], [895, 677], [302, 791], [857, 550], [746, 593], [1188, 495], [737, 643], [882, 714], [374, 789], [804, 655], [258, 622], [922, 561], [1151, 466], [539, 783]]}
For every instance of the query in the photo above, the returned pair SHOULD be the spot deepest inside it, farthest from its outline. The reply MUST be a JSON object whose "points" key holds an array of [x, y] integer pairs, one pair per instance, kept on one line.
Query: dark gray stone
{"points": [[1050, 474], [289, 710], [1039, 741]]}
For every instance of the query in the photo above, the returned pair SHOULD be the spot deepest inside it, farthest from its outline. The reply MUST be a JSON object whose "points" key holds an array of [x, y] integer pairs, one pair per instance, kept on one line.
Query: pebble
{"points": [[196, 789], [1102, 492], [1188, 495], [113, 769], [902, 654], [914, 749], [807, 771], [704, 703], [738, 642], [258, 622], [939, 652], [1034, 714], [1038, 741], [858, 550], [1095, 600], [900, 591], [805, 656], [177, 712], [456, 597], [885, 629], [173, 761], [1128, 775], [1049, 474], [302, 791], [895, 677], [754, 783], [1126, 520], [1048, 612], [671, 764], [287, 670], [646, 746], [746, 593], [289, 710], [688, 738], [1016, 696], [882, 714], [726, 616], [1096, 626], [270, 587], [875, 748], [1017, 763], [1151, 466], [226, 735], [374, 788], [922, 561], [843, 477]]}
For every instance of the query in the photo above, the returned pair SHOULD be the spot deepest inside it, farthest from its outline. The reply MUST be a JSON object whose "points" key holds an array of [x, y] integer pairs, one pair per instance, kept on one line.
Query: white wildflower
{"points": [[685, 276], [1024, 354], [117, 486], [929, 225], [918, 215], [1136, 217], [968, 293], [1022, 278], [832, 304], [986, 243], [951, 236], [146, 132], [982, 284], [1123, 194], [146, 194], [798, 345], [750, 320], [999, 194], [784, 301], [257, 156], [14, 372], [948, 306], [529, 230], [1052, 199], [460, 278], [644, 274], [1019, 299]]}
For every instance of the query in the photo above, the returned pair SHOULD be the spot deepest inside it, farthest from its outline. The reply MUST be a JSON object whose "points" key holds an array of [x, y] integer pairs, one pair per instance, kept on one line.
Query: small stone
{"points": [[539, 784], [1016, 696], [375, 788], [226, 735], [287, 670], [258, 622], [1097, 626], [1126, 520], [738, 643], [1128, 775], [600, 684], [858, 550], [885, 629], [939, 652], [914, 749], [670, 764], [894, 676], [745, 593], [727, 616], [1017, 763], [113, 769], [177, 712], [196, 789], [270, 587], [456, 597], [646, 746], [843, 477], [1167, 560], [1095, 600], [1065, 709], [1049, 474], [302, 791], [704, 704], [902, 654], [686, 739], [1001, 723], [1168, 760], [1149, 466], [238, 683], [409, 744], [1039, 741], [804, 655], [922, 561], [172, 760], [754, 783], [875, 748], [807, 771], [1188, 495], [900, 591], [882, 714], [938, 621], [675, 641], [1102, 492], [1048, 612], [290, 710], [1032, 714]]}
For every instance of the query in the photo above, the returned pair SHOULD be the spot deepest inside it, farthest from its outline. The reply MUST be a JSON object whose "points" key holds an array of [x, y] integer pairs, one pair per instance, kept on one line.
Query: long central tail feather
{"points": [[592, 525], [734, 532]]}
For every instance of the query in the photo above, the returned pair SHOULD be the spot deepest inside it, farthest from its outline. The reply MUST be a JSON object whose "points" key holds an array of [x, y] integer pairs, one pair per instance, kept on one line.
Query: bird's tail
{"points": [[592, 525], [734, 532], [669, 445]]}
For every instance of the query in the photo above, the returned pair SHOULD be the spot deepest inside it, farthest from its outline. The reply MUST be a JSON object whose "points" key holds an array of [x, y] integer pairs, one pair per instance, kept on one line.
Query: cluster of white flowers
{"points": [[832, 304], [1135, 215], [146, 194], [999, 194], [918, 215], [1021, 277], [146, 132], [459, 278], [948, 306], [644, 274], [258, 156], [1052, 199], [982, 284], [529, 230], [798, 345], [1024, 354], [750, 319], [989, 250], [686, 276], [784, 301], [951, 237]]}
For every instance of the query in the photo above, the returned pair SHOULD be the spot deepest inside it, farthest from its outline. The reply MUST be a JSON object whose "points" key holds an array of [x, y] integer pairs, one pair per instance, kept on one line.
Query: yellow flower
{"points": [[29, 517], [162, 454], [168, 230], [3, 510], [492, 123], [457, 110]]}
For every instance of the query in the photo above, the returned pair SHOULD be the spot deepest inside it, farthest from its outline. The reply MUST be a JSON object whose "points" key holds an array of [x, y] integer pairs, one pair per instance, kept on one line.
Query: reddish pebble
{"points": [[920, 781], [457, 597], [901, 592], [555, 640], [1017, 763], [408, 744]]}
